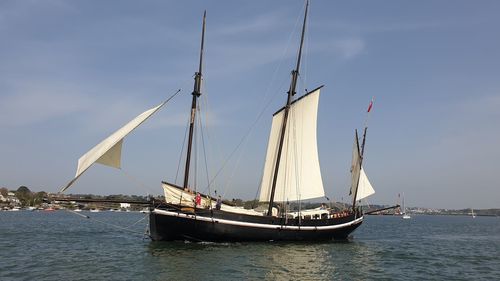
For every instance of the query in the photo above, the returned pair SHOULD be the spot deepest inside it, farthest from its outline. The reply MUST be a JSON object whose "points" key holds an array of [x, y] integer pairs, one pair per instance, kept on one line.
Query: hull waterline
{"points": [[217, 226]]}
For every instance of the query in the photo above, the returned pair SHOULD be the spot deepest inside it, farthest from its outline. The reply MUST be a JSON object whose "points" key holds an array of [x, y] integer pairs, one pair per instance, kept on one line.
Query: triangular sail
{"points": [[365, 188], [359, 181], [108, 152], [299, 175]]}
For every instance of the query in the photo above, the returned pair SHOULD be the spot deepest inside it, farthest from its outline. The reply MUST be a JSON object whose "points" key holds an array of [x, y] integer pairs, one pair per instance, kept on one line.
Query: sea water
{"points": [[61, 245]]}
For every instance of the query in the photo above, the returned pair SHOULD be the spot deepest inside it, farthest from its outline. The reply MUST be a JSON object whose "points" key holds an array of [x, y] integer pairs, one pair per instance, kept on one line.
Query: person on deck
{"points": [[218, 203], [197, 199]]}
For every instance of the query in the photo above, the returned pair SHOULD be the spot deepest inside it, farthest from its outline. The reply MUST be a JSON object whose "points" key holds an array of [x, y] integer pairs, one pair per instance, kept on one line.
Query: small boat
{"points": [[472, 213], [404, 215]]}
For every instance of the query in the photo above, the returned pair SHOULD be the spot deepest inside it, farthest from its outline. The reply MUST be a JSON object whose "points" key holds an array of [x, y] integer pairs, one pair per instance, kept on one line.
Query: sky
{"points": [[72, 72]]}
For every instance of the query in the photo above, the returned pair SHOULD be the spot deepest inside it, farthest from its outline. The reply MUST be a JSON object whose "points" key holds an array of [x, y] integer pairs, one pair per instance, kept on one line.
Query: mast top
{"points": [[202, 41], [302, 37], [197, 78], [295, 72]]}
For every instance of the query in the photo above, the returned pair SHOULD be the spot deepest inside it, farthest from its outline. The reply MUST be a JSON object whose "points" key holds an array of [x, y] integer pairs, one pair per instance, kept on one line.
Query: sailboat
{"points": [[291, 174], [404, 215], [472, 213]]}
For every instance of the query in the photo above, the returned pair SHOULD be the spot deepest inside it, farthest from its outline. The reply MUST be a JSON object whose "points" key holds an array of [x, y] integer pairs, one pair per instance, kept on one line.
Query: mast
{"points": [[363, 143], [360, 165], [291, 93], [196, 93], [362, 150], [403, 204]]}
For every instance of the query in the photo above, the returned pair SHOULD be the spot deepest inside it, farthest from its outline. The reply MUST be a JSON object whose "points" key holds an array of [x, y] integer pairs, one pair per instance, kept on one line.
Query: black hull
{"points": [[218, 226]]}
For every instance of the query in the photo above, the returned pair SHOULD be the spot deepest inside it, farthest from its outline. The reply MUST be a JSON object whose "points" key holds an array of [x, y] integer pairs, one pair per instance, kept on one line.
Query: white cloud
{"points": [[349, 48], [258, 24], [358, 28], [346, 48], [31, 106]]}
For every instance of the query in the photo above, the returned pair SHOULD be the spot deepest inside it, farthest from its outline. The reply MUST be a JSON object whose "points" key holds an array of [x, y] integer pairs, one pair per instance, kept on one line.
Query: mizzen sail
{"points": [[108, 152], [355, 166], [299, 175], [365, 188], [360, 185]]}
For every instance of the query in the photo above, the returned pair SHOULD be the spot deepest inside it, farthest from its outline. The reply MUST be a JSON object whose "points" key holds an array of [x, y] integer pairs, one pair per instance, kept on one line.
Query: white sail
{"points": [[359, 181], [365, 188], [108, 152], [356, 165], [299, 175]]}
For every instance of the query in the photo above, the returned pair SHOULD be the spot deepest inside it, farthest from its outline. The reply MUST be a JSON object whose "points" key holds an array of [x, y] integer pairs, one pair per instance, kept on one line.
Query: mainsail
{"points": [[108, 152], [299, 175]]}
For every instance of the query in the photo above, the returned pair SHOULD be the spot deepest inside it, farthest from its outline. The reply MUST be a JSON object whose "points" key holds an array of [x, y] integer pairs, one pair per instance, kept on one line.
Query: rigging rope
{"points": [[139, 183], [111, 224], [182, 151], [205, 156], [266, 105]]}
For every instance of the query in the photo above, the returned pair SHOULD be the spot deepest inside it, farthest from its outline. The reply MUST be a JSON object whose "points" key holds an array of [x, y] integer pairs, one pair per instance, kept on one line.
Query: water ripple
{"points": [[62, 246]]}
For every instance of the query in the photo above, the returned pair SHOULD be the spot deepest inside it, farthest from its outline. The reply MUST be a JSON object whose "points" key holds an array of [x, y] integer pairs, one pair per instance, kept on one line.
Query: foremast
{"points": [[196, 94], [291, 92]]}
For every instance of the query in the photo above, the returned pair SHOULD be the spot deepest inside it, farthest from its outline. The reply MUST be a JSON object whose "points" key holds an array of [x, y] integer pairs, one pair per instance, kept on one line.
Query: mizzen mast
{"points": [[291, 93], [361, 153], [360, 159], [196, 94]]}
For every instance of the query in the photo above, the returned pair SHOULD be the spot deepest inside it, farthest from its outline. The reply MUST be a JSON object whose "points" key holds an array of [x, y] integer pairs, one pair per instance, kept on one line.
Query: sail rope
{"points": [[266, 100], [182, 151], [295, 148], [242, 143], [195, 151], [127, 228], [244, 140], [205, 155], [138, 182]]}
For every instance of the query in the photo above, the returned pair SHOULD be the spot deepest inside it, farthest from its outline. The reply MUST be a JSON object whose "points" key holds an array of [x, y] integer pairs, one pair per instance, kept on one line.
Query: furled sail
{"points": [[108, 152], [356, 165], [365, 188], [299, 175], [359, 181]]}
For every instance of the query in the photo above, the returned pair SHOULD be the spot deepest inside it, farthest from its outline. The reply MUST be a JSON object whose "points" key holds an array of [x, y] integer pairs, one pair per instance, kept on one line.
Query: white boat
{"points": [[403, 209]]}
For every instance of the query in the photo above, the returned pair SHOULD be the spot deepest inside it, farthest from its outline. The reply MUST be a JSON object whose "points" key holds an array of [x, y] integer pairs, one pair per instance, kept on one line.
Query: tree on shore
{"points": [[24, 195]]}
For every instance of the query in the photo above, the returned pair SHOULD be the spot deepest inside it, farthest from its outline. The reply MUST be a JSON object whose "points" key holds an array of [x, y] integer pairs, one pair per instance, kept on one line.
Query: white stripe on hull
{"points": [[259, 225]]}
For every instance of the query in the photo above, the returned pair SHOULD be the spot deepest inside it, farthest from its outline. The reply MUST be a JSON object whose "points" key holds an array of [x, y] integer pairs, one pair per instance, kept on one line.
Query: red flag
{"points": [[370, 106]]}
